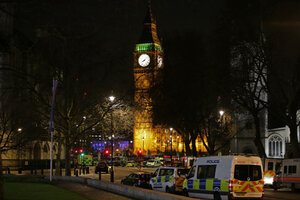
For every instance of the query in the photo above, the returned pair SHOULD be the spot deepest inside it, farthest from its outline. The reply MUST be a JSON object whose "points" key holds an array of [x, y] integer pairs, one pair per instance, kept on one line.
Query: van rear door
{"points": [[247, 180]]}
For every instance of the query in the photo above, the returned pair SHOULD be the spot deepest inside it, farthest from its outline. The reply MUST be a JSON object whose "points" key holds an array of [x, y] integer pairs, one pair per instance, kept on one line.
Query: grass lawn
{"points": [[37, 191]]}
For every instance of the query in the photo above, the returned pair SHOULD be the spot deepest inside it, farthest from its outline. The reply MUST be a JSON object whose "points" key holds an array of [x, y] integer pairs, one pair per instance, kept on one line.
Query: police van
{"points": [[272, 167], [289, 176], [168, 179], [225, 177]]}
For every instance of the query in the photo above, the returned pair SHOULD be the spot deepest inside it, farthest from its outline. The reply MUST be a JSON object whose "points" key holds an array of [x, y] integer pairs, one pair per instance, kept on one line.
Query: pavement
{"points": [[121, 172], [97, 194], [283, 193], [89, 192]]}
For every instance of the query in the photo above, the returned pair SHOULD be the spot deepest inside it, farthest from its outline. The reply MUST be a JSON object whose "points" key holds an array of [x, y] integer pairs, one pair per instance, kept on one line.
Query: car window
{"points": [[162, 172], [247, 172], [156, 172], [182, 172], [192, 172], [270, 166], [101, 164], [145, 176], [166, 172], [131, 176]]}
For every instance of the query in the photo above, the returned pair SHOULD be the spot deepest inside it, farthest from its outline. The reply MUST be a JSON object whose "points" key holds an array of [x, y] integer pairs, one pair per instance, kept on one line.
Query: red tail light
{"points": [[141, 181], [230, 186]]}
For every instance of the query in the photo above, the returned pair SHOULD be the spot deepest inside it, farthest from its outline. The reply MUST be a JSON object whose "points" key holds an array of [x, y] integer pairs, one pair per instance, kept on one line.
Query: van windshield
{"points": [[166, 172], [247, 172]]}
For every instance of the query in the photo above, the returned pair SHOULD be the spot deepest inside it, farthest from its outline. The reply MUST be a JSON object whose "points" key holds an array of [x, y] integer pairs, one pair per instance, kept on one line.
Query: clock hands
{"points": [[144, 60]]}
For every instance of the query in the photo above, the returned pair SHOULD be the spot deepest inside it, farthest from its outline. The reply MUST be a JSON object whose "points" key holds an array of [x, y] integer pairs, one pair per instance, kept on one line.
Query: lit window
{"points": [[275, 146]]}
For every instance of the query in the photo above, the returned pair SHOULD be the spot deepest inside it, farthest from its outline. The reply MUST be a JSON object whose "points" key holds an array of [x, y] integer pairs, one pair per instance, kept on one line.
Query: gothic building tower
{"points": [[148, 64]]}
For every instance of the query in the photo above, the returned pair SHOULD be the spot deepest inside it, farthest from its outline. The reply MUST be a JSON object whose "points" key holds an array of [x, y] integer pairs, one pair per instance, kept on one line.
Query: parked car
{"points": [[153, 163], [137, 179], [131, 163], [168, 163], [116, 162], [101, 167]]}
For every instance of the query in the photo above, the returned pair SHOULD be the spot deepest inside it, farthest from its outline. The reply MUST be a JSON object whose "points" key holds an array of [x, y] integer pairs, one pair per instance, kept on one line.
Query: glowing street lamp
{"points": [[171, 131], [177, 142], [111, 99], [143, 143], [221, 112]]}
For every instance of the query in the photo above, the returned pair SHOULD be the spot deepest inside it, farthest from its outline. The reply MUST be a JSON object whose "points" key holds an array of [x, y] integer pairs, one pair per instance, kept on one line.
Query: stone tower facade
{"points": [[148, 65]]}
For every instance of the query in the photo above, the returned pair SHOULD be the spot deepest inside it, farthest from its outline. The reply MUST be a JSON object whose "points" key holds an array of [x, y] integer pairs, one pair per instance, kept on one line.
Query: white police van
{"points": [[289, 176], [225, 177], [168, 179]]}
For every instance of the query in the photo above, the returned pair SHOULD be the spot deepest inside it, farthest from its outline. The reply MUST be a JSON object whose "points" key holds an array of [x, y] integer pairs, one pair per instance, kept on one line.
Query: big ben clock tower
{"points": [[148, 64]]}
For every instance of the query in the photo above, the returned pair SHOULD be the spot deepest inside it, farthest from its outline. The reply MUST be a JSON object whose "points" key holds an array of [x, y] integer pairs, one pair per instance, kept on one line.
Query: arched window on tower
{"points": [[46, 148], [275, 146]]}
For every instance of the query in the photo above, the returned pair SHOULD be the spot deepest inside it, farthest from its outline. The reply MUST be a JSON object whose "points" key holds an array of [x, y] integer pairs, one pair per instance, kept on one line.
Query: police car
{"points": [[153, 163], [225, 177], [168, 179]]}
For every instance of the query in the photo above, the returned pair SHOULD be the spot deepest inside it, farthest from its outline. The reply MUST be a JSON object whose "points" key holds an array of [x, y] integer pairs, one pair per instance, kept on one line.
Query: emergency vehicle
{"points": [[289, 176], [225, 177], [271, 166], [188, 161], [168, 179], [85, 159]]}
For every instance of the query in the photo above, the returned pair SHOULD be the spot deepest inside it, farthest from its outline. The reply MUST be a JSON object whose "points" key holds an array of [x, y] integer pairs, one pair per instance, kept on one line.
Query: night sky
{"points": [[116, 25], [187, 28]]}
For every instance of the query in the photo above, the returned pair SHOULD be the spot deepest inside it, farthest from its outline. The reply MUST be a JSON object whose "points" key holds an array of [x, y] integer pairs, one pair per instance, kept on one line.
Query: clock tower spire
{"points": [[148, 64]]}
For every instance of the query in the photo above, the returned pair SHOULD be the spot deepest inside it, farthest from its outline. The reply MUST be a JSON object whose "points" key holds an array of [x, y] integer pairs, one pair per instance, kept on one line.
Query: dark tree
{"points": [[249, 77]]}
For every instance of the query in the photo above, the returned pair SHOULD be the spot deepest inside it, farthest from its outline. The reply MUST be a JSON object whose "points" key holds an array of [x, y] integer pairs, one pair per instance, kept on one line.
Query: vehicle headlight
{"points": [[268, 180]]}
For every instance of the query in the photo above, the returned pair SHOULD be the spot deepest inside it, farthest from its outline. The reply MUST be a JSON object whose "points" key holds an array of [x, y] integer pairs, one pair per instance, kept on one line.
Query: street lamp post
{"points": [[171, 130], [221, 115], [177, 143], [112, 98], [143, 143], [20, 153]]}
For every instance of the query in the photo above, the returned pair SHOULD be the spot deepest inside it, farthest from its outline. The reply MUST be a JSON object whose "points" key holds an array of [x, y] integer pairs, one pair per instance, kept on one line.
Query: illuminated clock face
{"points": [[144, 60], [159, 61]]}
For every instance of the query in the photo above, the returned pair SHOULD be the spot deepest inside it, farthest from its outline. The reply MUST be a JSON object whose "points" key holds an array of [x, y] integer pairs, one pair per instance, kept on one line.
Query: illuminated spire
{"points": [[149, 34]]}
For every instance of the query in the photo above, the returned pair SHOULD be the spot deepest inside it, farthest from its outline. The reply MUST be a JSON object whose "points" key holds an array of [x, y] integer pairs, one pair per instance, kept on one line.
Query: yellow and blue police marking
{"points": [[87, 161], [207, 185], [157, 181], [162, 179]]}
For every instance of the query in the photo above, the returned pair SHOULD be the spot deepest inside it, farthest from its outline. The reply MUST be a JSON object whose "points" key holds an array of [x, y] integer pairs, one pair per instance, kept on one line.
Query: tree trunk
{"points": [[187, 146], [68, 159], [58, 161], [1, 179], [194, 149], [194, 137], [257, 138], [295, 150]]}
